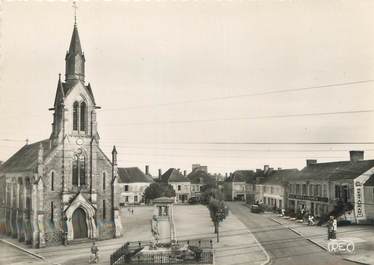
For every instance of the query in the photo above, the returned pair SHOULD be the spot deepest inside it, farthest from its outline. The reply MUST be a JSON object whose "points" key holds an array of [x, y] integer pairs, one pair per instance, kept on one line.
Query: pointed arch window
{"points": [[79, 170], [82, 170], [75, 115], [52, 181], [104, 180], [75, 171], [83, 116]]}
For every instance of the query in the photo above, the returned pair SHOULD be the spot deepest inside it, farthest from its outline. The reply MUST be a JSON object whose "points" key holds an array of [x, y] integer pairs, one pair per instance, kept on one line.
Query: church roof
{"points": [[132, 175], [26, 158], [64, 88], [75, 43]]}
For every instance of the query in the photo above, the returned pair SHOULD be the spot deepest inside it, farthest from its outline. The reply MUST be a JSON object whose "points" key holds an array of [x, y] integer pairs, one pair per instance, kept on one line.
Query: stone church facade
{"points": [[62, 188]]}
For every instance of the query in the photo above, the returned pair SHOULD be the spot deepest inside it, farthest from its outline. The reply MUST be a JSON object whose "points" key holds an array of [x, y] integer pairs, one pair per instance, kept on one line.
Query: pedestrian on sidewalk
{"points": [[94, 254], [331, 228], [310, 219], [132, 210], [335, 228]]}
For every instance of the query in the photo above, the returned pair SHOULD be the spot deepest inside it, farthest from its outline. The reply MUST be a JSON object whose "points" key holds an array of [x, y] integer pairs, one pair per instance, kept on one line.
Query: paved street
{"points": [[283, 245]]}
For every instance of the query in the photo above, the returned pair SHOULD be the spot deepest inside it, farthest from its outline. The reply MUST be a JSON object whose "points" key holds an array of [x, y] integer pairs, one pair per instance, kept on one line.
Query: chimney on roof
{"points": [[258, 170], [147, 170], [184, 172], [356, 156], [266, 168], [159, 172], [310, 162], [194, 166]]}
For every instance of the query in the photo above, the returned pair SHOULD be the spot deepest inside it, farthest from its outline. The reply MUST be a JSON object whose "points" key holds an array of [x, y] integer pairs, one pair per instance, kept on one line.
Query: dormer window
{"points": [[80, 116]]}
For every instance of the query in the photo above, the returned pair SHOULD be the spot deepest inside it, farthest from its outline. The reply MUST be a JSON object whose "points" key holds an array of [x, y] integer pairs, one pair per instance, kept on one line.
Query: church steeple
{"points": [[75, 58]]}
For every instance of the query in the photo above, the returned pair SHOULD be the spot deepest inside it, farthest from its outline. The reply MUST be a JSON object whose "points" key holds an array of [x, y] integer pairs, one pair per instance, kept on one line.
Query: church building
{"points": [[61, 189]]}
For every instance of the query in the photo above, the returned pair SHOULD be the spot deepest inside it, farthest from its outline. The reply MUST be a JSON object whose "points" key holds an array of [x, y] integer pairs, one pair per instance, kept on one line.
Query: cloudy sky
{"points": [[183, 82]]}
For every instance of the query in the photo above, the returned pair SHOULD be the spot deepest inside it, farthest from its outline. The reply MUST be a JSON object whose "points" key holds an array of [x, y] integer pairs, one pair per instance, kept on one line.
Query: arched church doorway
{"points": [[79, 224]]}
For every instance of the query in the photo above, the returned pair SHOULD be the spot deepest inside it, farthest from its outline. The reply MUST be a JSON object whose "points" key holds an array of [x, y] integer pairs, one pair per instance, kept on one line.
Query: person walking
{"points": [[94, 253], [334, 228], [330, 227], [311, 220]]}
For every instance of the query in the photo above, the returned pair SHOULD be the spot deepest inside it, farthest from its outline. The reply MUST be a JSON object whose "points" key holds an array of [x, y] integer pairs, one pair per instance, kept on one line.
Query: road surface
{"points": [[11, 255], [283, 245]]}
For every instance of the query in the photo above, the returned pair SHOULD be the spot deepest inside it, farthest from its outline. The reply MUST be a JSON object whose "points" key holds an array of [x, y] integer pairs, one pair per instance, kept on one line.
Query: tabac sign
{"points": [[359, 200], [359, 194]]}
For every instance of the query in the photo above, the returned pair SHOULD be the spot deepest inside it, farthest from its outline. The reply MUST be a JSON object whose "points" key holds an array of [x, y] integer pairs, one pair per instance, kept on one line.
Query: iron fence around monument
{"points": [[205, 257]]}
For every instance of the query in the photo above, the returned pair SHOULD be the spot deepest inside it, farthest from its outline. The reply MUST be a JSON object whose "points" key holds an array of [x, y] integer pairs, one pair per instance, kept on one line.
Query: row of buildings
{"points": [[344, 189], [132, 183]]}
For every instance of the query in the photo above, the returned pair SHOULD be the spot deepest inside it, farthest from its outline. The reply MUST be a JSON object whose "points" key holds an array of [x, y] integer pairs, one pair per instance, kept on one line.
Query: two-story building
{"points": [[274, 187], [199, 178], [235, 186], [181, 184], [131, 185], [333, 188]]}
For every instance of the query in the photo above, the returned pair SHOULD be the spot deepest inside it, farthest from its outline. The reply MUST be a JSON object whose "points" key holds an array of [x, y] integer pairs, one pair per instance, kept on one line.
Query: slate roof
{"points": [[335, 170], [242, 176], [64, 88], [198, 175], [279, 177], [75, 43], [26, 158], [370, 181], [173, 175], [132, 175]]}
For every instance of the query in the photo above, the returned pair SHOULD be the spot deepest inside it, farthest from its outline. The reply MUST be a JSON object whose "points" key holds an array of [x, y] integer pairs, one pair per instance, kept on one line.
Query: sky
{"points": [[210, 82]]}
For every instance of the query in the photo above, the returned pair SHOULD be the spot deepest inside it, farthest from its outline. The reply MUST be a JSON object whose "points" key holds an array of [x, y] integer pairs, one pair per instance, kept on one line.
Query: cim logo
{"points": [[341, 246]]}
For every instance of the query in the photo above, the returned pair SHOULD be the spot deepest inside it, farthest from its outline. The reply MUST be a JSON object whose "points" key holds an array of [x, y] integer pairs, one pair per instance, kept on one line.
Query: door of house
{"points": [[312, 208], [79, 224]]}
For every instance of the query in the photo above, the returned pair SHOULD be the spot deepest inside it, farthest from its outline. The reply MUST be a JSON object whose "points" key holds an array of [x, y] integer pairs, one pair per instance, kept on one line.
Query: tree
{"points": [[218, 212], [208, 191], [158, 189]]}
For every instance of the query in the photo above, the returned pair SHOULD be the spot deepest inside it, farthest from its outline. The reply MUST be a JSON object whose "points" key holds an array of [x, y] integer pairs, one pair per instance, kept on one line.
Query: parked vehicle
{"points": [[194, 200], [255, 208]]}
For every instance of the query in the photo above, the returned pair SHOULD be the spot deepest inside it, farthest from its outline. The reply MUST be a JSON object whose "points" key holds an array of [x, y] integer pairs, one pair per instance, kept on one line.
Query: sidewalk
{"points": [[361, 235], [238, 245]]}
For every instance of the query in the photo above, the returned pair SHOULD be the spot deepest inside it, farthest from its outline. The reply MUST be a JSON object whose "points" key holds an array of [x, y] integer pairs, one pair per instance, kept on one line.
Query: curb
{"points": [[315, 243], [23, 249], [267, 261], [299, 234], [355, 261]]}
